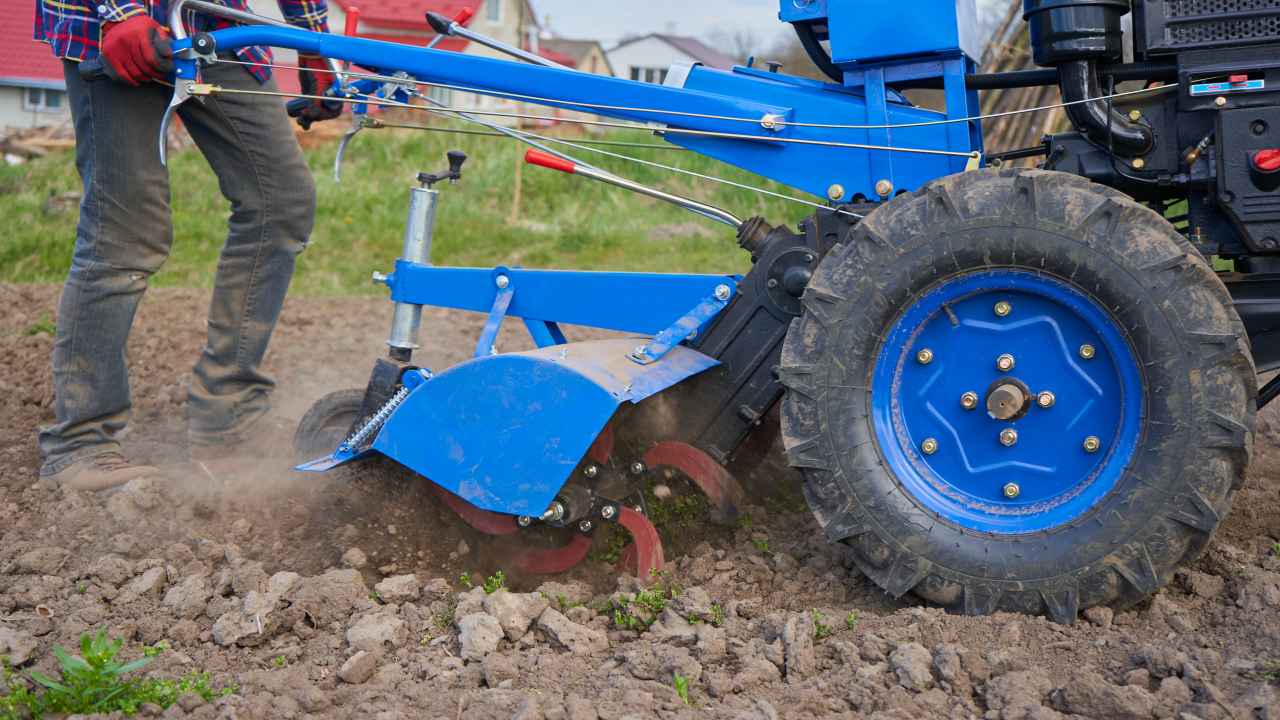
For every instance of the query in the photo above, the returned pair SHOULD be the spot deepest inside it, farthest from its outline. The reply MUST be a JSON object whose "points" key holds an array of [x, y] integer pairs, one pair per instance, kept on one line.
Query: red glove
{"points": [[130, 48], [315, 78]]}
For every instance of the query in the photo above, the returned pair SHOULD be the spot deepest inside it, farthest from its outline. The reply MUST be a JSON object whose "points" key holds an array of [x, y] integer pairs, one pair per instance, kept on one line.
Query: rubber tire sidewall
{"points": [[308, 440], [1130, 261]]}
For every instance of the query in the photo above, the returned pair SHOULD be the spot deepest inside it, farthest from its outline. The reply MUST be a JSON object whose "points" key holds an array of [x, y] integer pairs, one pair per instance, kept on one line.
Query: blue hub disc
{"points": [[1006, 401]]}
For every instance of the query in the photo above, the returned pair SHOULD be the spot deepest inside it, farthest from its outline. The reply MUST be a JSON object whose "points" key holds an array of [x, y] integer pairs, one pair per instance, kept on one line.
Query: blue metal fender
{"points": [[505, 432]]}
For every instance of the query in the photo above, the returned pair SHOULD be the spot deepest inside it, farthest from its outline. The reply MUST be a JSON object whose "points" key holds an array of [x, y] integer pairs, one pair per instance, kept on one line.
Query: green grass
{"points": [[564, 221], [681, 684], [96, 681]]}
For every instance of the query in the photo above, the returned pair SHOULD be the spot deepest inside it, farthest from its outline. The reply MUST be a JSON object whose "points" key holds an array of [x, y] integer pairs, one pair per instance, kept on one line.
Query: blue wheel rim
{"points": [[964, 476]]}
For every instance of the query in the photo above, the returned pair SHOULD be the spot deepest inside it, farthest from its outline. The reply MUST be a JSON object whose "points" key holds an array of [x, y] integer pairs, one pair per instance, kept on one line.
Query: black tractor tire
{"points": [[1199, 387], [329, 421]]}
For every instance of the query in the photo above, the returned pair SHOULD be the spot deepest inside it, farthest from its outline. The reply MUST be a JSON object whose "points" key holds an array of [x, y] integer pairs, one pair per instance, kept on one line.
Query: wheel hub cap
{"points": [[1032, 440]]}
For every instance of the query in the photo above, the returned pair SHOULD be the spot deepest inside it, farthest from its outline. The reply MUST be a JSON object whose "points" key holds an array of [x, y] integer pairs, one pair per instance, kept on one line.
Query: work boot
{"points": [[100, 472]]}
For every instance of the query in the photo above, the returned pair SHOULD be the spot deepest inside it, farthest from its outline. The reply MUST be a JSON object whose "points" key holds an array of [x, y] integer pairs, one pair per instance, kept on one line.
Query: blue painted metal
{"points": [[687, 326], [543, 333], [486, 345], [963, 481], [505, 432], [345, 452], [643, 303], [867, 31]]}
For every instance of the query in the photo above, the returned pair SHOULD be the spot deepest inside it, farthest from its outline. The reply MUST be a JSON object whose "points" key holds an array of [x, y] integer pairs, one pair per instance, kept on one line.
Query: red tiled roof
{"points": [[557, 57], [24, 61], [405, 14]]}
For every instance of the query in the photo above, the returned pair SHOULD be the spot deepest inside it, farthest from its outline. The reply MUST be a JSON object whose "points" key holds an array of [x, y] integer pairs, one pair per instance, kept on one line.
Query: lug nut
{"points": [[1003, 309], [1008, 437], [1046, 399], [1087, 351], [929, 446], [637, 468], [524, 521], [585, 526], [1004, 363], [608, 511], [925, 356], [969, 400], [1092, 444], [591, 471], [1011, 490]]}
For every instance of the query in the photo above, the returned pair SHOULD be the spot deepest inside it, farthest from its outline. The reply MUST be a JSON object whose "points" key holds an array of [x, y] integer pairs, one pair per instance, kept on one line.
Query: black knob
{"points": [[774, 65], [456, 159], [203, 43]]}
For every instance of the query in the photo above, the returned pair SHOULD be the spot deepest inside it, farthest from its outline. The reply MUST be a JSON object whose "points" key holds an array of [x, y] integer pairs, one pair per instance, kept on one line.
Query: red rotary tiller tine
{"points": [[720, 487], [644, 554], [489, 523], [555, 560]]}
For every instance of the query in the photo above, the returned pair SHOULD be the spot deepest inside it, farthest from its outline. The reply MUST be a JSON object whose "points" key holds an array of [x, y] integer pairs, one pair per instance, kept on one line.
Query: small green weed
{"points": [[681, 684], [1275, 549], [95, 682], [494, 583], [43, 325], [820, 629], [610, 550], [717, 614], [465, 580], [1268, 671], [156, 650], [639, 612], [762, 544], [374, 596], [279, 661], [81, 588], [851, 620]]}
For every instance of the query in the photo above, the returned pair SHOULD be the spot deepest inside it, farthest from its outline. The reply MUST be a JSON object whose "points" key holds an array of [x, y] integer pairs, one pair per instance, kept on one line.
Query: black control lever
{"points": [[453, 175]]}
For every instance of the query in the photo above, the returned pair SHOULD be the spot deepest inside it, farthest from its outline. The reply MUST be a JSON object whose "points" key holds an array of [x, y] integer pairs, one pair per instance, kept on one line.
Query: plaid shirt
{"points": [[73, 27]]}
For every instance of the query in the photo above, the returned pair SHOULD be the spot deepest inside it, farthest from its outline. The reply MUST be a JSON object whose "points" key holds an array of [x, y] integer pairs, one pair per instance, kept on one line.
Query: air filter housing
{"points": [[1067, 30]]}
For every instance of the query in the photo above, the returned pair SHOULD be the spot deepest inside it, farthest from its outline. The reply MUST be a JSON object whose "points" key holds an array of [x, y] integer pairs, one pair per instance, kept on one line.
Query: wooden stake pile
{"points": [[1010, 49]]}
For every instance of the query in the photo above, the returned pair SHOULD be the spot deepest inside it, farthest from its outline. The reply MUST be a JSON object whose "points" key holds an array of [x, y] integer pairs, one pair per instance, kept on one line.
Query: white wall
{"points": [[645, 54], [14, 115]]}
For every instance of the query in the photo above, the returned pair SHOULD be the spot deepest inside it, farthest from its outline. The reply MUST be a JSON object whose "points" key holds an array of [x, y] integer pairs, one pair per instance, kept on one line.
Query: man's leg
{"points": [[249, 142], [123, 236]]}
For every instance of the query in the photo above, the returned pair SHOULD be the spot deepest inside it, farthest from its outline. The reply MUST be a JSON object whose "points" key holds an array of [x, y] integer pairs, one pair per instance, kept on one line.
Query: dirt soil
{"points": [[340, 595]]}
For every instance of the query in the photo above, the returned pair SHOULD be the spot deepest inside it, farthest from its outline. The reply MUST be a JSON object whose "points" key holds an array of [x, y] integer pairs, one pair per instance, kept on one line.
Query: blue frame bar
{"points": [[641, 303]]}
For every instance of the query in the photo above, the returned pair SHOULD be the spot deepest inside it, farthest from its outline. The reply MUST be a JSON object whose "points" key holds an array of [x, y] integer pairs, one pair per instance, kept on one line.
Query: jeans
{"points": [[124, 235]]}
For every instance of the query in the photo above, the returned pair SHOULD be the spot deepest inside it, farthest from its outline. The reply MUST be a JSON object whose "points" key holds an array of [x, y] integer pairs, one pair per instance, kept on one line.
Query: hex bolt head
{"points": [[1011, 490], [608, 511], [1046, 399], [1087, 351], [591, 471], [929, 446], [969, 400], [835, 192], [524, 521], [1092, 444], [1004, 363], [1008, 437], [586, 525], [1139, 163], [1003, 308], [723, 292], [925, 356], [1220, 101], [773, 282], [884, 188], [502, 281], [1135, 115], [637, 468]]}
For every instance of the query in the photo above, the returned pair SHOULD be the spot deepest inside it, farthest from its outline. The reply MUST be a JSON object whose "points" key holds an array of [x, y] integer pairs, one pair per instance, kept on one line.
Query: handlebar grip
{"points": [[547, 160], [464, 16], [295, 108], [353, 22]]}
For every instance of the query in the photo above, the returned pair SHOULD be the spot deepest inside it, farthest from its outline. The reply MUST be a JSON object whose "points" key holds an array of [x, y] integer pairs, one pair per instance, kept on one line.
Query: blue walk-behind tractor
{"points": [[1012, 389]]}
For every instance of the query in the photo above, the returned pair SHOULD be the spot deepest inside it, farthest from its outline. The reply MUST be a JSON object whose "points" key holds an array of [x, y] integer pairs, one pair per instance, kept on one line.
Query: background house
{"points": [[648, 57], [32, 92]]}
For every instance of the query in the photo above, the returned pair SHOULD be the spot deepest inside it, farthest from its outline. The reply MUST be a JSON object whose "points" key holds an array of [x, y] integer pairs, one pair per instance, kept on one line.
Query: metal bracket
{"points": [[683, 328], [501, 302]]}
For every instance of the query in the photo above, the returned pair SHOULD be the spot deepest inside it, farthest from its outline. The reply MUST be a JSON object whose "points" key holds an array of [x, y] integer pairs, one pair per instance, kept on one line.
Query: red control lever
{"points": [[353, 22], [1267, 161], [464, 16], [547, 160]]}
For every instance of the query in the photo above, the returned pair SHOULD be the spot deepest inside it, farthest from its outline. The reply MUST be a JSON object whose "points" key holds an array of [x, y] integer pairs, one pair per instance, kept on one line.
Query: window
{"points": [[635, 73], [493, 10], [653, 75], [42, 100]]}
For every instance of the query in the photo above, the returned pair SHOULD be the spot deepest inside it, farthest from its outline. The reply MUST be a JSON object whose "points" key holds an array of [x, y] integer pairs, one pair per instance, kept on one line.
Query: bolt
{"points": [[929, 446], [809, 259], [637, 468], [969, 400], [884, 188], [771, 121], [1046, 399], [379, 278], [773, 282], [1011, 490], [585, 526], [835, 192], [1008, 437], [1220, 101], [1091, 444], [502, 281], [1135, 115], [1004, 363], [591, 471], [1003, 309], [608, 511], [1139, 163], [723, 292], [925, 356], [524, 521], [1087, 352]]}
